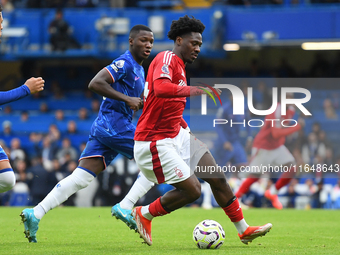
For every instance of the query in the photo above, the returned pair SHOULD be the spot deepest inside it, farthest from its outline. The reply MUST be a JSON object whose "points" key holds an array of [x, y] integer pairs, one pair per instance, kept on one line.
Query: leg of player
{"points": [[123, 209], [284, 179], [245, 186], [7, 177], [79, 179], [185, 192], [229, 203]]}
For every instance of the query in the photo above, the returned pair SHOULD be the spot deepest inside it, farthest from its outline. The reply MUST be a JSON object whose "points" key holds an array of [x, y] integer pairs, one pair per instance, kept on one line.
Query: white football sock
{"points": [[241, 226], [273, 190], [138, 189], [79, 179], [145, 212], [7, 180], [206, 191], [39, 211]]}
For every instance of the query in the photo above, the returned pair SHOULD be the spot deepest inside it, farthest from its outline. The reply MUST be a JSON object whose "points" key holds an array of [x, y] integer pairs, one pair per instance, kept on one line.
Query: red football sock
{"points": [[244, 188], [234, 211], [284, 179], [156, 208]]}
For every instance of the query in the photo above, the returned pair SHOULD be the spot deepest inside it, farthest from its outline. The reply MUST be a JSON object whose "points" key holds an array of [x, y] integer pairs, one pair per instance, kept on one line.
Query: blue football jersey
{"points": [[114, 117]]}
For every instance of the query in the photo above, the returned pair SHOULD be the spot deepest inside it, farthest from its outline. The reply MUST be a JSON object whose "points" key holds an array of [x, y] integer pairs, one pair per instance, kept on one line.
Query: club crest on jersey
{"points": [[120, 63], [165, 69]]}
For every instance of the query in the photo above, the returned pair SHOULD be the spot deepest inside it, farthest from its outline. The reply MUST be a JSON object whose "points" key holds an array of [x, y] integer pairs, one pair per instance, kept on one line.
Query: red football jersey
{"points": [[161, 117], [264, 139]]}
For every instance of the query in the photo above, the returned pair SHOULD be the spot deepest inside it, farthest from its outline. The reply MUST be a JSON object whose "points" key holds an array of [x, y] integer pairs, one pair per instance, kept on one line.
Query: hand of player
{"points": [[210, 91], [228, 146], [135, 103], [35, 84]]}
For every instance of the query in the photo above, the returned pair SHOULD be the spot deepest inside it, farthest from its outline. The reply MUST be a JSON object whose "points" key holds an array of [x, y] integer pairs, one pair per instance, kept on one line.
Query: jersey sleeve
{"points": [[163, 67], [118, 69], [14, 94]]}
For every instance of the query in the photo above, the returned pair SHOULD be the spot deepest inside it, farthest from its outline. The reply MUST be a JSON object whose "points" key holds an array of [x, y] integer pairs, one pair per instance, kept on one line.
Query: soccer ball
{"points": [[208, 234]]}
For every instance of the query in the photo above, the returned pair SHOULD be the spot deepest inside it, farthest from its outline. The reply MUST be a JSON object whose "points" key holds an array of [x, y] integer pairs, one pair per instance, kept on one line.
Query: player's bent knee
{"points": [[195, 193]]}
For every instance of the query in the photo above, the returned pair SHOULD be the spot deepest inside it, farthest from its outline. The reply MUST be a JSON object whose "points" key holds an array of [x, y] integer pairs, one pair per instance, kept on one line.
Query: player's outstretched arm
{"points": [[101, 84], [31, 86], [166, 89]]}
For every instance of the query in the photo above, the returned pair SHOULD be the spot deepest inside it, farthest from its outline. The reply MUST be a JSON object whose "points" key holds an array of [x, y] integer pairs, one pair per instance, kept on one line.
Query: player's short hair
{"points": [[185, 25], [136, 29], [0, 8]]}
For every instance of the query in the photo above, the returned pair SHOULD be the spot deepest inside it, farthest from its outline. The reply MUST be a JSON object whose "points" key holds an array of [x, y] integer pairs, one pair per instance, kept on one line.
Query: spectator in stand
{"points": [[7, 128], [16, 151], [24, 116], [43, 108], [47, 153], [316, 128], [95, 105], [19, 168], [66, 148], [291, 193], [60, 34], [7, 109], [72, 127], [40, 181], [54, 133], [323, 139], [329, 110], [82, 146], [329, 160], [58, 170], [59, 115], [36, 139], [83, 114], [316, 201], [313, 152]]}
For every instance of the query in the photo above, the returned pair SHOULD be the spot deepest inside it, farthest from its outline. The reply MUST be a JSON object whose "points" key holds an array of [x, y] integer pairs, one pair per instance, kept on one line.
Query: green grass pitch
{"points": [[68, 230]]}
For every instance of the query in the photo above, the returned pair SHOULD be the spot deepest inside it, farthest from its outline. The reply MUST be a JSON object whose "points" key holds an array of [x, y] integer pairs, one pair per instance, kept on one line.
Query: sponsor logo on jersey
{"points": [[165, 69], [136, 78], [120, 63], [114, 67], [165, 75]]}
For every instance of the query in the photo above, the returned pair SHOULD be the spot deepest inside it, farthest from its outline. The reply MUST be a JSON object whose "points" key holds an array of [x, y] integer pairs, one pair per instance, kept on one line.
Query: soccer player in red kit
{"points": [[269, 150], [165, 150]]}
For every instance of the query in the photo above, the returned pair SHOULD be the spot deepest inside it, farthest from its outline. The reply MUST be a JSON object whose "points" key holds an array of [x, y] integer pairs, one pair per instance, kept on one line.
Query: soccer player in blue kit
{"points": [[121, 84], [32, 85]]}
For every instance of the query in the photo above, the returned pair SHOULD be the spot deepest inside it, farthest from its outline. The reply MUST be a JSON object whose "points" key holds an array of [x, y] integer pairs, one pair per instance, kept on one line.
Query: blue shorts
{"points": [[108, 148], [3, 155], [236, 157]]}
